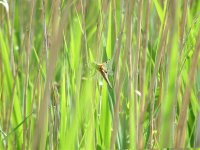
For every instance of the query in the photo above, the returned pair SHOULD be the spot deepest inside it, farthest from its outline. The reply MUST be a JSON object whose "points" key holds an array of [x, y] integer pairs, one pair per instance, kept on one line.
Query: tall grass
{"points": [[51, 97]]}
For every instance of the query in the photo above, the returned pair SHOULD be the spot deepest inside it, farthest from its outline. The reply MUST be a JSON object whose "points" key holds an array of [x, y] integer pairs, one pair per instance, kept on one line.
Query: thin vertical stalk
{"points": [[118, 86], [45, 34], [10, 28], [84, 40], [114, 16], [27, 72], [183, 24], [136, 65], [182, 33], [10, 110], [128, 45], [143, 71], [36, 82]]}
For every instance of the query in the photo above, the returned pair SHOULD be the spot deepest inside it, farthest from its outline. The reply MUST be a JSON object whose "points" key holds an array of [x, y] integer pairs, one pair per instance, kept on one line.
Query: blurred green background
{"points": [[51, 96]]}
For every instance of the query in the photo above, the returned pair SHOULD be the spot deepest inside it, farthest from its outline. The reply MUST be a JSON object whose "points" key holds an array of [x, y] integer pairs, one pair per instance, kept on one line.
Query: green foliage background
{"points": [[52, 98]]}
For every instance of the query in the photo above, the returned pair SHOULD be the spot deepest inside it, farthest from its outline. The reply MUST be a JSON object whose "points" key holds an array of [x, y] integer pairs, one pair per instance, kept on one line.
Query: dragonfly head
{"points": [[105, 67]]}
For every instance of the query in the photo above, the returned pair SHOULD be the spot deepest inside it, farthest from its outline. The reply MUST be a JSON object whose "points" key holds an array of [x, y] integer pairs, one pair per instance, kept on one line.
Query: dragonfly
{"points": [[105, 69]]}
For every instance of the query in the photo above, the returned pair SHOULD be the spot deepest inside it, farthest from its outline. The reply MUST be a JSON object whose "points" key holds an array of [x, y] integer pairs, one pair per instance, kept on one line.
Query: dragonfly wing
{"points": [[105, 69], [108, 67]]}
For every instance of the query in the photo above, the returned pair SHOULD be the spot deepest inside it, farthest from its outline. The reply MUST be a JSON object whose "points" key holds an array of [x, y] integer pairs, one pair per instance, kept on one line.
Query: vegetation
{"points": [[52, 89]]}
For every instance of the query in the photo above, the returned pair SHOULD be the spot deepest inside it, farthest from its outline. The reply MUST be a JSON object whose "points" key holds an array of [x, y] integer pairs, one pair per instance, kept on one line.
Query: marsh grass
{"points": [[48, 100]]}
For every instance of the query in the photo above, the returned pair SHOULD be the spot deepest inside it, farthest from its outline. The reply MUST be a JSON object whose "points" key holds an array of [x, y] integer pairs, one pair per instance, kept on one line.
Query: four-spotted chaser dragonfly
{"points": [[105, 69]]}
